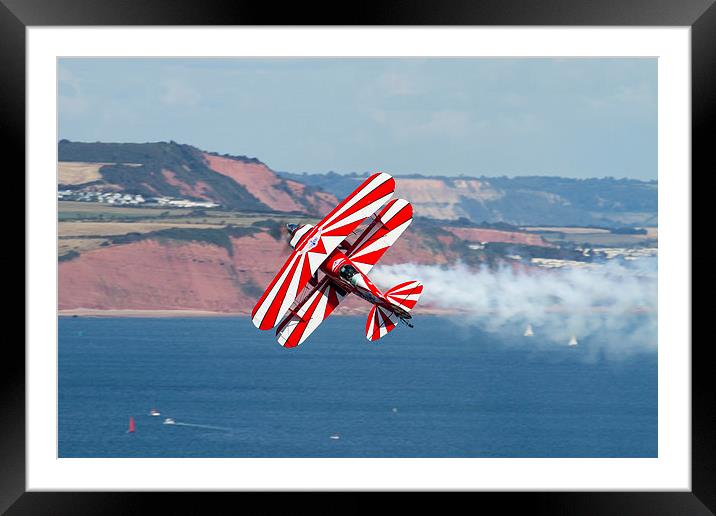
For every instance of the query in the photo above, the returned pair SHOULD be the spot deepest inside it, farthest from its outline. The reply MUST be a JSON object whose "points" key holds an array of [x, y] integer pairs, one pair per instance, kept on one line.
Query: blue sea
{"points": [[439, 390]]}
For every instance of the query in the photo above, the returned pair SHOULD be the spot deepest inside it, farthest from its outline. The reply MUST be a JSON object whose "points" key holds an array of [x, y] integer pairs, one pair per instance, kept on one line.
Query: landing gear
{"points": [[405, 321]]}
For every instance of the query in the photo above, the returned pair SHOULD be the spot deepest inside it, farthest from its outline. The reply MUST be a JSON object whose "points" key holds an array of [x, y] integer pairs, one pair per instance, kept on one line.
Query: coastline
{"points": [[91, 312], [341, 312]]}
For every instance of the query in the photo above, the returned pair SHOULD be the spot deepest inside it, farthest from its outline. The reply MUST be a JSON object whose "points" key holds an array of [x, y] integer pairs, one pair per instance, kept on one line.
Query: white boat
{"points": [[573, 341], [528, 331], [154, 412], [169, 421], [335, 436]]}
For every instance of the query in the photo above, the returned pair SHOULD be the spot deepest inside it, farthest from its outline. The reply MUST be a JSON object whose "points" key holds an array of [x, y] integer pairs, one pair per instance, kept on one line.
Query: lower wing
{"points": [[312, 311]]}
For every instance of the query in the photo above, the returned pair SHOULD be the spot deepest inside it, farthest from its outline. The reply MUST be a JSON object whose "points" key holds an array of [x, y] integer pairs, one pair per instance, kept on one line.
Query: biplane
{"points": [[330, 261]]}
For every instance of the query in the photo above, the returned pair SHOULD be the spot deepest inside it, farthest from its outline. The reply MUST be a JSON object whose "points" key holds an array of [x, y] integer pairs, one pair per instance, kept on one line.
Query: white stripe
{"points": [[261, 312], [375, 183], [371, 318], [316, 318], [385, 241], [288, 330], [314, 321], [316, 259], [366, 235], [299, 233], [292, 291], [398, 205], [361, 214]]}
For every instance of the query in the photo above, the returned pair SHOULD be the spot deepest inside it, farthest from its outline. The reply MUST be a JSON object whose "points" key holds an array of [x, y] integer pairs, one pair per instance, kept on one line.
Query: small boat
{"points": [[528, 331], [335, 436], [131, 425], [169, 421], [154, 412], [573, 341]]}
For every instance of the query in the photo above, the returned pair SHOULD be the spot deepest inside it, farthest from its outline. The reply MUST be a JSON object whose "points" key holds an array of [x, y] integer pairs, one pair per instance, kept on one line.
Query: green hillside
{"points": [[138, 169]]}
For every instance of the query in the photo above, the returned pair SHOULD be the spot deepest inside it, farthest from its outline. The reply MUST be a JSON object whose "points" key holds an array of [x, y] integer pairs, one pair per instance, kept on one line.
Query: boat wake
{"points": [[208, 427]]}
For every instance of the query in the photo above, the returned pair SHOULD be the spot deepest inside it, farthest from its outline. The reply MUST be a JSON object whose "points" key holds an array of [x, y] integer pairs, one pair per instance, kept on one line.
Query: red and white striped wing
{"points": [[314, 247], [385, 229], [380, 322], [312, 311]]}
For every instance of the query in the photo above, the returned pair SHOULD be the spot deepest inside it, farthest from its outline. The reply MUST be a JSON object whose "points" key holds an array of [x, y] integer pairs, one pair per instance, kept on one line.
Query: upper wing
{"points": [[315, 246], [385, 229], [312, 311]]}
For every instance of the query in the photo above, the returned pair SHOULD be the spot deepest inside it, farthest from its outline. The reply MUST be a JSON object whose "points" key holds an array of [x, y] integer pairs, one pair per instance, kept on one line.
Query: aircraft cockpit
{"points": [[347, 272]]}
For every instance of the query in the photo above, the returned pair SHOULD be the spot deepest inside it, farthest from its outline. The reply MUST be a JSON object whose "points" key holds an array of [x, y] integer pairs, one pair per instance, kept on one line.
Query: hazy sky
{"points": [[568, 117]]}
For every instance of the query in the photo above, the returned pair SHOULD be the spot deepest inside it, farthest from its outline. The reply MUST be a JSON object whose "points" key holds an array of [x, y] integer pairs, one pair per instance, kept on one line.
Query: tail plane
{"points": [[400, 300]]}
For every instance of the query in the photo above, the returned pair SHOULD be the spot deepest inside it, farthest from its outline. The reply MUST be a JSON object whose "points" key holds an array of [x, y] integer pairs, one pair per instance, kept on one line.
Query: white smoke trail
{"points": [[209, 427], [613, 306]]}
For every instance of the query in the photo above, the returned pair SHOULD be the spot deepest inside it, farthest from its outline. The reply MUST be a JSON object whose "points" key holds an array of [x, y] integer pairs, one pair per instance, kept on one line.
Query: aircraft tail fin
{"points": [[383, 318], [405, 295]]}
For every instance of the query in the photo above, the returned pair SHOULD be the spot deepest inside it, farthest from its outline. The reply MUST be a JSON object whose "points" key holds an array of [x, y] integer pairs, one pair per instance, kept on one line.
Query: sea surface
{"points": [[441, 389]]}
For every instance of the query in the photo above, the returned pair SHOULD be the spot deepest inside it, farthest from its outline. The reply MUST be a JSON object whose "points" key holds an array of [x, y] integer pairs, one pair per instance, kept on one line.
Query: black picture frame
{"points": [[700, 15]]}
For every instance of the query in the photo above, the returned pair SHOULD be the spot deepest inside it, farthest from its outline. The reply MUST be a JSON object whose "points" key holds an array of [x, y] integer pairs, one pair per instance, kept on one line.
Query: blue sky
{"points": [[567, 117]]}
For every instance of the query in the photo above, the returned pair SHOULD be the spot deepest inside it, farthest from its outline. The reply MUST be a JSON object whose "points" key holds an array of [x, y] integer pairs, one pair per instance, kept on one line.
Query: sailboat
{"points": [[528, 331], [131, 425], [573, 341]]}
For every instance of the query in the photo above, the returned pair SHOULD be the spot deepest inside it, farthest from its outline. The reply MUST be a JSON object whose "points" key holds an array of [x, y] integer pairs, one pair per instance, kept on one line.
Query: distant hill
{"points": [[170, 169], [241, 183], [531, 200]]}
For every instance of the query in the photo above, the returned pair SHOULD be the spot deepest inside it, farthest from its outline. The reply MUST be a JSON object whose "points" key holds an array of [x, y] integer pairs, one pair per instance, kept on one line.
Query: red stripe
{"points": [[271, 315], [378, 233], [271, 285], [366, 237], [403, 215], [387, 323], [371, 314], [406, 292], [370, 258], [340, 206], [300, 328], [297, 308], [409, 303], [387, 186], [378, 193], [323, 289], [385, 227], [320, 248], [376, 325], [399, 286]]}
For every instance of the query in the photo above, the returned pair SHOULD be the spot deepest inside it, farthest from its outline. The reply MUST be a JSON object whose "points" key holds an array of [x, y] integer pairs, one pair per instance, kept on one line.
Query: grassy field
{"points": [[84, 226], [72, 173], [78, 245], [91, 228], [569, 231], [94, 211], [595, 237], [75, 210]]}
